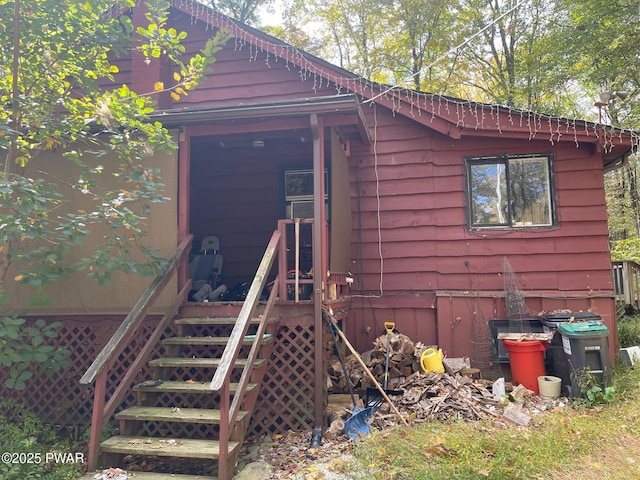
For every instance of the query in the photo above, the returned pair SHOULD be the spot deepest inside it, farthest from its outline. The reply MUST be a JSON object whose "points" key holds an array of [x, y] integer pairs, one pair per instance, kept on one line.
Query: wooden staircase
{"points": [[159, 404], [182, 412]]}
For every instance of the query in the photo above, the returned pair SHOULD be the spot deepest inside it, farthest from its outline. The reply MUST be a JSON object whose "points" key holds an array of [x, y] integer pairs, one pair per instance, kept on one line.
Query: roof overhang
{"points": [[339, 111]]}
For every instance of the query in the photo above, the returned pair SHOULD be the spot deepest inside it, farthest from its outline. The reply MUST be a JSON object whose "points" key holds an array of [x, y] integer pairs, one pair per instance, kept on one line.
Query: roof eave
{"points": [[324, 106]]}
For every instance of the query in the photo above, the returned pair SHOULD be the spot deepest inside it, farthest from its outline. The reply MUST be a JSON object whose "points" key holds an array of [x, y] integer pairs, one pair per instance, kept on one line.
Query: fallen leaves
{"points": [[112, 474], [162, 443], [292, 458], [138, 441]]}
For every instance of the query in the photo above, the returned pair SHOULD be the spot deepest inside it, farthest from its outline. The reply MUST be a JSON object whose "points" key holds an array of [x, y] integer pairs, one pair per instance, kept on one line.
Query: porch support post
{"points": [[184, 154], [319, 266]]}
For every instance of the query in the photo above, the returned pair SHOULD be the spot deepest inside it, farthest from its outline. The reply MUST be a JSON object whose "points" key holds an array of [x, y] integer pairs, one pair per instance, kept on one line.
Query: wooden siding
{"points": [[414, 185], [419, 197], [239, 77]]}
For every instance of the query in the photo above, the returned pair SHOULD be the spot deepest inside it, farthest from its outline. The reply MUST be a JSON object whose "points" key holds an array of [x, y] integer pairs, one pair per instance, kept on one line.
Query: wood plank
{"points": [[209, 340], [198, 362], [185, 447], [210, 321], [152, 476], [185, 387], [168, 414]]}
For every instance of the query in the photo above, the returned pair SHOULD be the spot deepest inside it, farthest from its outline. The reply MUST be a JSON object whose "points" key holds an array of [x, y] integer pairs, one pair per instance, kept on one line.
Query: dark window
{"points": [[510, 191]]}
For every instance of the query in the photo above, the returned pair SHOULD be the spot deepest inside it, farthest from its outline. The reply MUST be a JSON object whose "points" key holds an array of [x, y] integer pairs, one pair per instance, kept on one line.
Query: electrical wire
{"points": [[449, 52], [378, 203]]}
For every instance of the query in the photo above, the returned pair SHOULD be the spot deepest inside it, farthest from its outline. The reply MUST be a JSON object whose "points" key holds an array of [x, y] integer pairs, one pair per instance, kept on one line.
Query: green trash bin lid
{"points": [[583, 328]]}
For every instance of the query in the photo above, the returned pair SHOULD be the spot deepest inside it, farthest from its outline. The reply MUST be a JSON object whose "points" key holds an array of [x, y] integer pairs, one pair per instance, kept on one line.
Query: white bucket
{"points": [[549, 386]]}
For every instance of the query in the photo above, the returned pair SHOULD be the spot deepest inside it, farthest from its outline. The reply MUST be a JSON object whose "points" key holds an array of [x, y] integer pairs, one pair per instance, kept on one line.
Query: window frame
{"points": [[504, 159]]}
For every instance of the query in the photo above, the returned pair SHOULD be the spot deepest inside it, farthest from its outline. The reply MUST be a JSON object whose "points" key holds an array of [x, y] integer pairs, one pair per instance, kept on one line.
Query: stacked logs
{"points": [[404, 360]]}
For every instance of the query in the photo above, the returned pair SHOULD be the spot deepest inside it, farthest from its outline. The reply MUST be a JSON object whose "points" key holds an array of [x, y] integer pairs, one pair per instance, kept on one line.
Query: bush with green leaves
{"points": [[628, 249], [24, 437], [55, 60], [592, 391], [23, 346]]}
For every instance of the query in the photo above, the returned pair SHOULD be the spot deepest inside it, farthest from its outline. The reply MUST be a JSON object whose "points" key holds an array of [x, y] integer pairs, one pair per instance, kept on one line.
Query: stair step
{"points": [[185, 387], [209, 340], [169, 414], [152, 476], [221, 321], [183, 447], [199, 362]]}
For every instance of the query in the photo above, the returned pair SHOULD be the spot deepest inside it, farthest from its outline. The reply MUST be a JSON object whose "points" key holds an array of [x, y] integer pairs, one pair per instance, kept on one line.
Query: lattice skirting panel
{"points": [[60, 400], [286, 401]]}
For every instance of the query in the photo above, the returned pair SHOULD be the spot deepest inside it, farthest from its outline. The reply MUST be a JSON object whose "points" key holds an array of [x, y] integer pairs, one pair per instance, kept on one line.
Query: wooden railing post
{"points": [[626, 283], [97, 419], [282, 258], [225, 429], [635, 277]]}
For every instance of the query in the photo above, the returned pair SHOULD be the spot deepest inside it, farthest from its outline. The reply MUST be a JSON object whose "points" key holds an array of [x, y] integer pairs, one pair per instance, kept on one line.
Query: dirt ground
{"points": [[290, 457]]}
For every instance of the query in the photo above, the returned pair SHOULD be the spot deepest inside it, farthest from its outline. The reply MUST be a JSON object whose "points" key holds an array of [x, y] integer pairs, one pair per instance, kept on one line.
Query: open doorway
{"points": [[237, 193]]}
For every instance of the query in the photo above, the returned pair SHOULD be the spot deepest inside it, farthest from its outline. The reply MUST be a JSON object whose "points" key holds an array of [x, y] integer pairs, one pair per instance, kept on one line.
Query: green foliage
{"points": [[592, 393], [552, 56], [24, 346], [27, 440], [622, 189], [629, 331], [57, 86], [245, 11], [601, 38], [628, 249], [55, 66]]}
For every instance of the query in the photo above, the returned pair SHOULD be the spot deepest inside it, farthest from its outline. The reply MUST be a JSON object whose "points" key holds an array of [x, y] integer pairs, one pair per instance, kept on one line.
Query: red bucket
{"points": [[527, 361]]}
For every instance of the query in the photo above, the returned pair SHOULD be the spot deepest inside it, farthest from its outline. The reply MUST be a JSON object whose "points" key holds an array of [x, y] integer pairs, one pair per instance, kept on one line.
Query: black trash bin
{"points": [[586, 349], [557, 365]]}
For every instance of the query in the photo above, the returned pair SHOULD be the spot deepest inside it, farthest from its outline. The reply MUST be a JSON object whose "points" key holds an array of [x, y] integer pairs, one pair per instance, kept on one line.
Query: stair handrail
{"points": [[128, 326], [99, 369], [234, 344]]}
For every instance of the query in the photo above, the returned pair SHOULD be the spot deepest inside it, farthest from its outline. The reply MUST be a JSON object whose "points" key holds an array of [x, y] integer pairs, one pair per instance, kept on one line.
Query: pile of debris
{"points": [[443, 397], [421, 396]]}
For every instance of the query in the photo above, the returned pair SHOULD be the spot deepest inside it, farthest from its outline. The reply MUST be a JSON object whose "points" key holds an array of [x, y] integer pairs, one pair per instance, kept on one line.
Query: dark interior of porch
{"points": [[238, 193]]}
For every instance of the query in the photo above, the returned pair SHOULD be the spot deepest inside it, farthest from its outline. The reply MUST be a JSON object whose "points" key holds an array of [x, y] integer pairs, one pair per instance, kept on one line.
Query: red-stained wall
{"points": [[415, 262], [413, 247]]}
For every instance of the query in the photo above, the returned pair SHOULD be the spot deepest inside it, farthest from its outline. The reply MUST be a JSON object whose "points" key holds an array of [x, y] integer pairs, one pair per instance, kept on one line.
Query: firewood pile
{"points": [[416, 394], [404, 360]]}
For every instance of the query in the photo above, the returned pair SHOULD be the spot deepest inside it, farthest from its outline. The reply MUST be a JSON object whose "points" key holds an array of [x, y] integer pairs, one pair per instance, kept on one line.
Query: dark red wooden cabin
{"points": [[393, 189]]}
